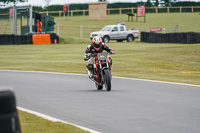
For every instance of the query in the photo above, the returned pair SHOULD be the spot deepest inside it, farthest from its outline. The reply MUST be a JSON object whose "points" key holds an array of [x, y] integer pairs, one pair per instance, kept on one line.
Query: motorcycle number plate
{"points": [[102, 56]]}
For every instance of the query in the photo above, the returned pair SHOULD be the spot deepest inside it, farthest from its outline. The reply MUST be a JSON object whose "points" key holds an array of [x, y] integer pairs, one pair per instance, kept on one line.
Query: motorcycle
{"points": [[102, 71]]}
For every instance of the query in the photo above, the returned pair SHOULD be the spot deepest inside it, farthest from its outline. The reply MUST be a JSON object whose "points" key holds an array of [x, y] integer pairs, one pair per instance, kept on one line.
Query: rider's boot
{"points": [[110, 59], [90, 70]]}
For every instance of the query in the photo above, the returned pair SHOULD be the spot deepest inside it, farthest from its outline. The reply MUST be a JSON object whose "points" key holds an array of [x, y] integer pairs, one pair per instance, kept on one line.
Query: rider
{"points": [[95, 47]]}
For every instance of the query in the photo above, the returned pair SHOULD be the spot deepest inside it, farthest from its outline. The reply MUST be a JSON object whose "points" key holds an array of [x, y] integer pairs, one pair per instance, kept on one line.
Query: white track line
{"points": [[56, 120], [156, 81], [84, 128], [146, 80]]}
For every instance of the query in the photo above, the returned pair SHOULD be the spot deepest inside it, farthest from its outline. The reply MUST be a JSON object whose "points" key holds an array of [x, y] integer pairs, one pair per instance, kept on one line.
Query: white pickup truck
{"points": [[116, 32]]}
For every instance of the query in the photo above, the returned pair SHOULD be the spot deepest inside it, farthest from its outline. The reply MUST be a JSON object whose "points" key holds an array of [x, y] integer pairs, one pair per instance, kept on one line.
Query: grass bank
{"points": [[70, 27], [33, 124], [165, 62]]}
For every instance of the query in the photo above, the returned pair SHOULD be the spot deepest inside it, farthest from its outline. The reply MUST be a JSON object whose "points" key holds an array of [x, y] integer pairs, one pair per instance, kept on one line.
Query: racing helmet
{"points": [[97, 42]]}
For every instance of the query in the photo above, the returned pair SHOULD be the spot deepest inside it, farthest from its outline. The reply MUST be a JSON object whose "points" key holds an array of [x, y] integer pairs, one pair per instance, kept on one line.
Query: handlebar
{"points": [[92, 55], [95, 54]]}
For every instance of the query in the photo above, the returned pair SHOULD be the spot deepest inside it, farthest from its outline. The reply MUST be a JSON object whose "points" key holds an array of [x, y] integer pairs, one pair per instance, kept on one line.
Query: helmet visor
{"points": [[97, 45]]}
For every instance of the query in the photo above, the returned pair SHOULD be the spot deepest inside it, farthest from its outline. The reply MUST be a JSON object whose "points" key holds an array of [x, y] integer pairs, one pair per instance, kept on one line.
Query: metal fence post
{"points": [[30, 20], [58, 30], [81, 32], [14, 20]]}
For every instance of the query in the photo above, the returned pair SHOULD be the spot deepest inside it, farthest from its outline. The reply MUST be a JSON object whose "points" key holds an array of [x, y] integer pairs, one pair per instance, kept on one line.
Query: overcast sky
{"points": [[61, 2]]}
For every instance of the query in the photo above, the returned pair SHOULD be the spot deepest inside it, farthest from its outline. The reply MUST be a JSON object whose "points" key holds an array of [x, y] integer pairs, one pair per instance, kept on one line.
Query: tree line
{"points": [[149, 3], [113, 5]]}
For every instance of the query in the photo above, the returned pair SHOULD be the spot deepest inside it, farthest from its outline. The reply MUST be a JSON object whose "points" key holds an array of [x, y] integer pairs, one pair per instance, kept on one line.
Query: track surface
{"points": [[132, 106]]}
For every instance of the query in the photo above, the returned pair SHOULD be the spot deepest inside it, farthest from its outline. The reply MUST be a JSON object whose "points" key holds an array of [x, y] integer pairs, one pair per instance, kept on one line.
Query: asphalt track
{"points": [[132, 106]]}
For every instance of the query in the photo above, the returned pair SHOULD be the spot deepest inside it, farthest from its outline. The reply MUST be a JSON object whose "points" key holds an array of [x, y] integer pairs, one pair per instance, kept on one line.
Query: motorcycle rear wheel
{"points": [[99, 87], [107, 78]]}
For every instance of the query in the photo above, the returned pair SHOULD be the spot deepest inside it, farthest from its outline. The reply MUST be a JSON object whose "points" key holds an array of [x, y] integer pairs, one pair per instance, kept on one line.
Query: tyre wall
{"points": [[184, 38], [9, 119], [6, 39]]}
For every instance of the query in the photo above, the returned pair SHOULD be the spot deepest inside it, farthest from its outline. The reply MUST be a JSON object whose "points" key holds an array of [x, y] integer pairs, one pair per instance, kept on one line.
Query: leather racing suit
{"points": [[92, 50]]}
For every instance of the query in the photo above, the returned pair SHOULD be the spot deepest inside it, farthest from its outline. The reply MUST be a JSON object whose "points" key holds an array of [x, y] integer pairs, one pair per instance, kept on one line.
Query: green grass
{"points": [[34, 124], [165, 62], [70, 27]]}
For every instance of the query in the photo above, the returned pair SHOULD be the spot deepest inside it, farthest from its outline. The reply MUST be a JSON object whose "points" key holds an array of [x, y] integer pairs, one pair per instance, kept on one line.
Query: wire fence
{"points": [[180, 9], [191, 9], [84, 31]]}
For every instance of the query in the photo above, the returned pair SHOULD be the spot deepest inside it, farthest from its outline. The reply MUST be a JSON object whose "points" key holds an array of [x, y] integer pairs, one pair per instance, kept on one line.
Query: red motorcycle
{"points": [[102, 71]]}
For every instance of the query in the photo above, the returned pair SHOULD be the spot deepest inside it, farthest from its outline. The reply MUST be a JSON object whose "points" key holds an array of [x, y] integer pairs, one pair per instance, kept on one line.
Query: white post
{"points": [[13, 21], [15, 28], [81, 30], [30, 20], [58, 30], [68, 9]]}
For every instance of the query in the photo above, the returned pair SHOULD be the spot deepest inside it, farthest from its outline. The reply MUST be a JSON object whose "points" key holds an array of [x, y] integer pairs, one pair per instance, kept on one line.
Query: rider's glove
{"points": [[112, 51], [89, 55], [86, 58]]}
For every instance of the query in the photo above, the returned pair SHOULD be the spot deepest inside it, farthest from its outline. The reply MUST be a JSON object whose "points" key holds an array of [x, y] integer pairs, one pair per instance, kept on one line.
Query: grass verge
{"points": [[165, 62], [34, 124]]}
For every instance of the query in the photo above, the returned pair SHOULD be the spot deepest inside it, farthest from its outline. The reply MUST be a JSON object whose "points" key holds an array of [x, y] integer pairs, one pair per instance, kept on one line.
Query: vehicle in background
{"points": [[116, 32]]}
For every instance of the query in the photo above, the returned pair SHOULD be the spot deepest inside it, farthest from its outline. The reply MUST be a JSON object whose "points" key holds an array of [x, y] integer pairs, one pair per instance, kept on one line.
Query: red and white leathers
{"points": [[93, 50]]}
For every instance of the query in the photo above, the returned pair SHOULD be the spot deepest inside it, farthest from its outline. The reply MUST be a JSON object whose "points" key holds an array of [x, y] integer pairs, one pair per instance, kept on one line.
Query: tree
{"points": [[12, 1], [157, 3], [162, 2], [148, 3], [167, 2]]}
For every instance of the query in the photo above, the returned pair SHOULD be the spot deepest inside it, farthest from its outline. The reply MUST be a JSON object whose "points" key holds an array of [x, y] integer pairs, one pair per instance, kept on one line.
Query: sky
{"points": [[61, 2]]}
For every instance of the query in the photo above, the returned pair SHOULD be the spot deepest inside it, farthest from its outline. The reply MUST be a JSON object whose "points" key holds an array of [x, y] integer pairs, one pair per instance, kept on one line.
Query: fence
{"points": [[125, 10], [74, 31], [132, 10]]}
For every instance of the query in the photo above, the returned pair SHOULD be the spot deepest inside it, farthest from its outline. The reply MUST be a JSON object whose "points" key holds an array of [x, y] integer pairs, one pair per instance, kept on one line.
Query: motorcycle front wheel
{"points": [[107, 79], [99, 87]]}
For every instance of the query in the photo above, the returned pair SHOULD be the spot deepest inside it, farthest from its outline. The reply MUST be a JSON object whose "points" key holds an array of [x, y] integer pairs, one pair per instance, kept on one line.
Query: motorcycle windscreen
{"points": [[102, 56]]}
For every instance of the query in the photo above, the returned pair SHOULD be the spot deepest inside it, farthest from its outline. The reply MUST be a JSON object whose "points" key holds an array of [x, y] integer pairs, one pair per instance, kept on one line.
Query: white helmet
{"points": [[97, 42]]}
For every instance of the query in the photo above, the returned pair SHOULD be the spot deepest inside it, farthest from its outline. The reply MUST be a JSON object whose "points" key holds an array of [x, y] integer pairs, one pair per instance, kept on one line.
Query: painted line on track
{"points": [[84, 128], [146, 80], [156, 81], [55, 119]]}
